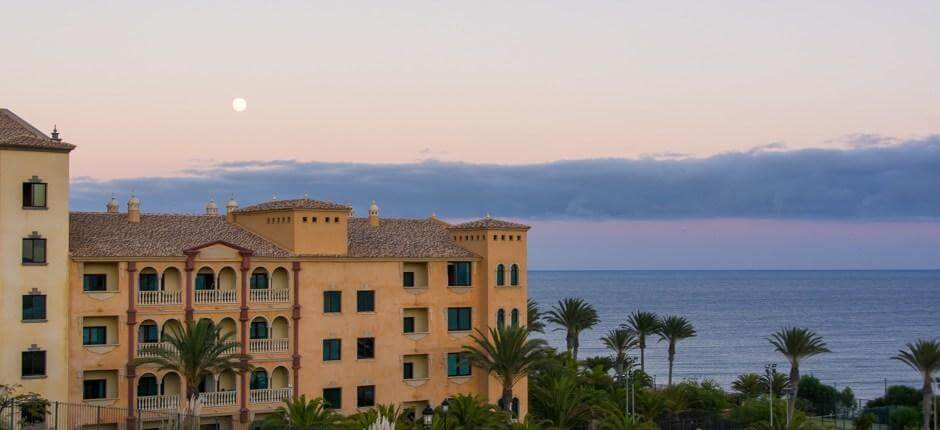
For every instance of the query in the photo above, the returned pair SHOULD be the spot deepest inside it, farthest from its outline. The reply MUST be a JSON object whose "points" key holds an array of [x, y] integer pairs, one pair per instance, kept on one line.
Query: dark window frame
{"points": [[408, 279], [365, 396], [94, 389], [148, 282], [332, 349], [459, 319], [329, 394], [34, 307], [33, 364], [144, 333], [459, 274], [514, 275], [365, 301], [255, 327], [332, 302], [408, 370], [29, 195], [365, 348], [95, 335], [31, 244], [500, 275], [461, 365], [100, 282], [405, 323]]}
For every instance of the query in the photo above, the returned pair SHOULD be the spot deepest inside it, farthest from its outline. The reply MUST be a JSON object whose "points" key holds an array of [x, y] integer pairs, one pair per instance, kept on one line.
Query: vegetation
{"points": [[924, 357], [302, 414], [574, 316], [620, 342], [796, 344], [673, 329], [643, 325], [817, 398], [33, 408], [534, 320], [508, 354]]}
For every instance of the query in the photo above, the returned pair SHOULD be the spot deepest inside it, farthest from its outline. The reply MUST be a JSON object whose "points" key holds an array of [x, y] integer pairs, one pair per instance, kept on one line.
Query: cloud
{"points": [[880, 181]]}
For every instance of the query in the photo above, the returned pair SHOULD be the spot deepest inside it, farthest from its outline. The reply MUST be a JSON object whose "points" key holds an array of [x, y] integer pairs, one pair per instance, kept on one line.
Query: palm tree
{"points": [[302, 414], [562, 401], [749, 385], [620, 341], [534, 320], [673, 329], [194, 351], [924, 357], [643, 324], [796, 344], [469, 412], [778, 381], [573, 315], [507, 353]]}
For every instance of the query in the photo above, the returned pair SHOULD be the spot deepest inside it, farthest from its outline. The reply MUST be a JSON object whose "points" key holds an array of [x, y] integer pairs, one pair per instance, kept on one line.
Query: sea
{"points": [[864, 317]]}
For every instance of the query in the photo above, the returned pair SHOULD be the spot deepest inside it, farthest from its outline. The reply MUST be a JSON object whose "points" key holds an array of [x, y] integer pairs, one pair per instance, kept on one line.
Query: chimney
{"points": [[374, 214], [112, 205], [212, 209], [133, 209], [230, 207]]}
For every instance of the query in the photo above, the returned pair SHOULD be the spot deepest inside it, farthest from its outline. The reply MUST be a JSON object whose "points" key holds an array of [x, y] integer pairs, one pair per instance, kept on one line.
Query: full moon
{"points": [[239, 104]]}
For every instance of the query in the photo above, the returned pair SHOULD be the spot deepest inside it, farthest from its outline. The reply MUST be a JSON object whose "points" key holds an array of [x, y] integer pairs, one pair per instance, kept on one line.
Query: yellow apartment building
{"points": [[357, 310]]}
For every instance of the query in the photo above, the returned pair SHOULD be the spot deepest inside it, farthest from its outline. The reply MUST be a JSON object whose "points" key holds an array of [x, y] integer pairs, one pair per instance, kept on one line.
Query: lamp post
{"points": [[935, 409], [445, 406], [770, 370], [427, 416], [787, 392], [626, 390]]}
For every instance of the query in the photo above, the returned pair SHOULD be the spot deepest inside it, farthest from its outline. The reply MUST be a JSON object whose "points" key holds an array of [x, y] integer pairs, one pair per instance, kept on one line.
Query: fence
{"points": [[72, 416]]}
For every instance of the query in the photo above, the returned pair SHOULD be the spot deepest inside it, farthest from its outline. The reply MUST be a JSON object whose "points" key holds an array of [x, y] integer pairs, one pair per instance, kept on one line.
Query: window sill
{"points": [[332, 361], [332, 314], [366, 312], [34, 321], [459, 334], [34, 377], [35, 208], [35, 264], [367, 360], [416, 382], [459, 379]]}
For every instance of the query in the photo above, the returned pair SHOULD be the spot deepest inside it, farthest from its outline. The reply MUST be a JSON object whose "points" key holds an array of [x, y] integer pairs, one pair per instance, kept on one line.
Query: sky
{"points": [[643, 135]]}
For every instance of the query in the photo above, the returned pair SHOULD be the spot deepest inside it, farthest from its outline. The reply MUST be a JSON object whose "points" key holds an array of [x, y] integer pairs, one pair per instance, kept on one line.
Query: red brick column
{"points": [[243, 320], [295, 316], [190, 266], [131, 346]]}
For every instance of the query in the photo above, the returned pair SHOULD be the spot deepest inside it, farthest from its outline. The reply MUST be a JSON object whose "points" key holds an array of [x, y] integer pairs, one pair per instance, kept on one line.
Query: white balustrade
{"points": [[269, 295], [155, 403], [268, 345], [145, 349], [218, 398], [270, 395], [156, 298], [215, 296]]}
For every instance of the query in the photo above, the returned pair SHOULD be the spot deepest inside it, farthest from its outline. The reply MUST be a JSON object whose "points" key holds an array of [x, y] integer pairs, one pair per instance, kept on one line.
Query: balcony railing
{"points": [[270, 295], [155, 298], [268, 345], [145, 349], [218, 398], [270, 395], [216, 296], [156, 403]]}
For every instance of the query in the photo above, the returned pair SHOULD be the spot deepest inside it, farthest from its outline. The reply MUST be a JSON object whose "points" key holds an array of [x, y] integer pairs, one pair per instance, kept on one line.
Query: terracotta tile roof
{"points": [[97, 234], [18, 134], [291, 204], [490, 223], [403, 238]]}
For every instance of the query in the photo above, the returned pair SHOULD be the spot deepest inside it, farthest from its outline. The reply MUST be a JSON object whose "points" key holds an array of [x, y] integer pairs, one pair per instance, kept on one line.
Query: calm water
{"points": [[864, 316]]}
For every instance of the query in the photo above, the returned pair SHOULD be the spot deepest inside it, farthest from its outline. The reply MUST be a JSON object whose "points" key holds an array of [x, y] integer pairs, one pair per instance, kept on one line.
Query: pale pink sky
{"points": [[146, 89]]}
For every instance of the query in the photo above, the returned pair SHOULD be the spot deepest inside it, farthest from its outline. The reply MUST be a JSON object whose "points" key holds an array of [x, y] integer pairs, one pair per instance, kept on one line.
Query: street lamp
{"points": [[935, 408], [770, 370], [445, 406], [427, 416], [626, 389]]}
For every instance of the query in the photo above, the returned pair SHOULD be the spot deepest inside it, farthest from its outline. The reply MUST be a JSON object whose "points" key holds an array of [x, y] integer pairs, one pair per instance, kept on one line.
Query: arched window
{"points": [[500, 275], [501, 318], [514, 318], [148, 333], [258, 329], [259, 279], [147, 385], [514, 274], [259, 380], [205, 279], [148, 280]]}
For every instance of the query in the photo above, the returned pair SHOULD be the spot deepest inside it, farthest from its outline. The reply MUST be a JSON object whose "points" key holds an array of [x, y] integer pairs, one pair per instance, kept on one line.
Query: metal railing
{"points": [[269, 295], [69, 416], [156, 298], [268, 345], [216, 296], [270, 395]]}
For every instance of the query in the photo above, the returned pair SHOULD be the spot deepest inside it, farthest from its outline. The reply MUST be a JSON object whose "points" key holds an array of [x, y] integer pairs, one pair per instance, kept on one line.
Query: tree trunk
{"points": [[572, 347], [794, 390], [672, 358], [928, 401], [643, 353], [507, 399]]}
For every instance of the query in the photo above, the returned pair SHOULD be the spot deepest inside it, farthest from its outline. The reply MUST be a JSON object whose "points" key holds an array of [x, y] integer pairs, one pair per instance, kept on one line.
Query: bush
{"points": [[752, 412], [905, 417], [817, 398], [865, 421], [898, 395]]}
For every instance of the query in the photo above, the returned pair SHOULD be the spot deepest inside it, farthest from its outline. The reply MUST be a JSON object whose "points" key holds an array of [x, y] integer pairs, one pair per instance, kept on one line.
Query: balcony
{"points": [[156, 403], [145, 349], [158, 298], [270, 395], [216, 297], [218, 398], [268, 345], [269, 295]]}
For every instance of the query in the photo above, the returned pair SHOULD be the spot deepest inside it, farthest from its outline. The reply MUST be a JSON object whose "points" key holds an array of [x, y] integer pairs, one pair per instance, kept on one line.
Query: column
{"points": [[131, 370]]}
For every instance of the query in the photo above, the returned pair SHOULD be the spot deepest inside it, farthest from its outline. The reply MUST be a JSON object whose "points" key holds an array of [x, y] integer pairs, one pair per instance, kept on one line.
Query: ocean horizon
{"points": [[865, 317]]}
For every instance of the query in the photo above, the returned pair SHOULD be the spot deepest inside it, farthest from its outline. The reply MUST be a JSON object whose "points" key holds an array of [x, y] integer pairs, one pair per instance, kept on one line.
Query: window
{"points": [[34, 307], [336, 220], [259, 281], [34, 195], [332, 301], [95, 389], [34, 251], [148, 333], [333, 397], [408, 279], [259, 380], [365, 396], [147, 386], [95, 282], [365, 348], [500, 318], [313, 219], [258, 329], [34, 363], [514, 318], [458, 364], [149, 282], [408, 370], [210, 426], [331, 349], [458, 319], [458, 274], [95, 335], [365, 301], [500, 275], [408, 325], [205, 281], [514, 275]]}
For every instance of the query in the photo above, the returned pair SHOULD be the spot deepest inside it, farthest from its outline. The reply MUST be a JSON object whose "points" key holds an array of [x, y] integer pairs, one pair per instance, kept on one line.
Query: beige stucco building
{"points": [[358, 310]]}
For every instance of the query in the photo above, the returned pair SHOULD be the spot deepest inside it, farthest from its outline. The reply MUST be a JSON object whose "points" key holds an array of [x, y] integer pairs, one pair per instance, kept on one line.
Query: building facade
{"points": [[357, 310]]}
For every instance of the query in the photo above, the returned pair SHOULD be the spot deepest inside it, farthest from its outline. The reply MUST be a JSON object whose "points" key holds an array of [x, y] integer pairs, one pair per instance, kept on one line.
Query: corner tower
{"points": [[34, 254]]}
